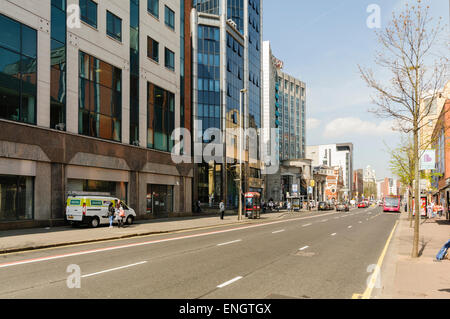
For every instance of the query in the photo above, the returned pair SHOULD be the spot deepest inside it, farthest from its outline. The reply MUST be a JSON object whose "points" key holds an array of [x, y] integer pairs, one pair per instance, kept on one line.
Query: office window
{"points": [[113, 26], [160, 118], [18, 71], [100, 98], [88, 12], [153, 49], [153, 7], [169, 17], [169, 59]]}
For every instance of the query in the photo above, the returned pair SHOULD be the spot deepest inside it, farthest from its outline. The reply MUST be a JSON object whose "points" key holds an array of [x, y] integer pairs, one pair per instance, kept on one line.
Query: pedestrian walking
{"points": [[222, 209], [111, 211]]}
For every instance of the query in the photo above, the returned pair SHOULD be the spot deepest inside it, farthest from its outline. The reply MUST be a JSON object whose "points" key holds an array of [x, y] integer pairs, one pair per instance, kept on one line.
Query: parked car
{"points": [[323, 206], [95, 212], [342, 207]]}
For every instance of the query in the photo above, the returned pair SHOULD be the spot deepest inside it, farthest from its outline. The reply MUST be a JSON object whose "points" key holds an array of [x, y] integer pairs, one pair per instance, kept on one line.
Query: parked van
{"points": [[96, 212]]}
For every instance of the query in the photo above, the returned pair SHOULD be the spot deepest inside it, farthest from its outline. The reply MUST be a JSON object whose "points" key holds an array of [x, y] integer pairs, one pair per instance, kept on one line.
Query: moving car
{"points": [[93, 210], [342, 207], [362, 205]]}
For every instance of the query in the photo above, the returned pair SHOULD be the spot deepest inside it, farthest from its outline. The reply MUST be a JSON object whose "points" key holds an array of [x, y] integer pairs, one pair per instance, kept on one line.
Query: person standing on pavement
{"points": [[117, 214], [222, 209], [111, 212]]}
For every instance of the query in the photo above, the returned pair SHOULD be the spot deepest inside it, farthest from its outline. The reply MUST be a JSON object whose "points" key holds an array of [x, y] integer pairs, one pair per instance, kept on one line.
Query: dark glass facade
{"points": [[235, 12], [207, 6], [100, 98], [58, 71], [134, 72], [160, 118], [18, 71], [208, 112]]}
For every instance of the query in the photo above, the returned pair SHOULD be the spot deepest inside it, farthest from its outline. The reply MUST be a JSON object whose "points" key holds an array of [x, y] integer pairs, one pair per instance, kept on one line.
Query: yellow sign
{"points": [[313, 183]]}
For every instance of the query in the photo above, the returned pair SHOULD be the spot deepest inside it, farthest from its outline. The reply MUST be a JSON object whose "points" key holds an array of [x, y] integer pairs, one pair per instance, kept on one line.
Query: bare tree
{"points": [[409, 44]]}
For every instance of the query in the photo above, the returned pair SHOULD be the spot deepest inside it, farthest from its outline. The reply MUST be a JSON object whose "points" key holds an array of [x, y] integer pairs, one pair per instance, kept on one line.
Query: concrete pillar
{"points": [[58, 190]]}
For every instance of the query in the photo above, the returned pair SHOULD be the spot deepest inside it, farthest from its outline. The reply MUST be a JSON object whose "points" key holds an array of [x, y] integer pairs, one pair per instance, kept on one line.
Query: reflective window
{"points": [[100, 98], [169, 59], [153, 7], [169, 17], [114, 26], [88, 12], [153, 49], [160, 118], [18, 71]]}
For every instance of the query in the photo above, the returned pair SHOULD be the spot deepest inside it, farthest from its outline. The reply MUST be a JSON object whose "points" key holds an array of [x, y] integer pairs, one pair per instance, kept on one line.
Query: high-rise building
{"points": [[284, 110], [335, 155], [226, 57], [292, 116], [90, 105]]}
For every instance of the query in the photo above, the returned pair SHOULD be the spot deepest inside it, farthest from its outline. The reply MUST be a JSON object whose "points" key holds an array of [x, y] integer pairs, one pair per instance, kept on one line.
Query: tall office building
{"points": [[284, 109], [335, 155], [90, 106], [226, 56]]}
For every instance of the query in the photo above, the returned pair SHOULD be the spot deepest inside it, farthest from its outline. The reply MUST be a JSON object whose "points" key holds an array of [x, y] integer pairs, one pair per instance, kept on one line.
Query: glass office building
{"points": [[227, 72]]}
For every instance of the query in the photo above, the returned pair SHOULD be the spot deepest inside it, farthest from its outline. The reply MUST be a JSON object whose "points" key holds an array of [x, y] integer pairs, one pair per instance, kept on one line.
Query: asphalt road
{"points": [[320, 255]]}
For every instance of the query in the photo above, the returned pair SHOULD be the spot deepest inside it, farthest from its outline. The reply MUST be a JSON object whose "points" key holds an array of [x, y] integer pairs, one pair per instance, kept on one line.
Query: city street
{"points": [[323, 255]]}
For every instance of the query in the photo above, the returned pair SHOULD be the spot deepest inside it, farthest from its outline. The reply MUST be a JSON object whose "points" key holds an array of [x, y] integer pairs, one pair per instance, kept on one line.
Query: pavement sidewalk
{"points": [[403, 277], [30, 239]]}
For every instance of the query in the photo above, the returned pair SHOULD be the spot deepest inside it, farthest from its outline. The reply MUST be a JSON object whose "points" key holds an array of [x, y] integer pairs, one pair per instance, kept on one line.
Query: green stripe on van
{"points": [[75, 202], [96, 203]]}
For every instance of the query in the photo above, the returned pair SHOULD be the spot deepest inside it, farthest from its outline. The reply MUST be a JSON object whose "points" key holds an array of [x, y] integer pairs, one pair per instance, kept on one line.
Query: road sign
{"points": [[295, 188], [310, 190]]}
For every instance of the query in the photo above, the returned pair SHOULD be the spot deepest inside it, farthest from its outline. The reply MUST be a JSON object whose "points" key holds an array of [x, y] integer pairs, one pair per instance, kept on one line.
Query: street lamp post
{"points": [[241, 124]]}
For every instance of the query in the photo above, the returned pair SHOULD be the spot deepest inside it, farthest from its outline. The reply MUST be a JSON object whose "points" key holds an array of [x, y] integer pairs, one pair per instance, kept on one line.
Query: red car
{"points": [[362, 205]]}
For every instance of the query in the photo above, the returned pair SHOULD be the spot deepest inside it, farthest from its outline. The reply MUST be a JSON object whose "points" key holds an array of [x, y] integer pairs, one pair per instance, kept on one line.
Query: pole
{"points": [[241, 124]]}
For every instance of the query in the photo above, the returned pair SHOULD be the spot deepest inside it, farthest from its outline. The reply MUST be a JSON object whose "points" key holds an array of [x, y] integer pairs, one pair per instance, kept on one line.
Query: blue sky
{"points": [[321, 42]]}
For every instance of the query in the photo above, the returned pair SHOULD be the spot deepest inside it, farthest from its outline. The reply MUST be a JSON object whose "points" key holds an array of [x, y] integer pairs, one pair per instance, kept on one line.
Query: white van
{"points": [[96, 210]]}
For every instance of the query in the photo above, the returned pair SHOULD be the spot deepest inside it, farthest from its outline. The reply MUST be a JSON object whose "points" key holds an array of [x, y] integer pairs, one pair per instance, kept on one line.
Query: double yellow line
{"points": [[368, 292]]}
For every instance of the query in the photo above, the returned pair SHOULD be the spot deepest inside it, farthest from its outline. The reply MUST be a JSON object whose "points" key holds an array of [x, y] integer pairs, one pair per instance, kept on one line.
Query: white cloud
{"points": [[312, 123], [352, 126]]}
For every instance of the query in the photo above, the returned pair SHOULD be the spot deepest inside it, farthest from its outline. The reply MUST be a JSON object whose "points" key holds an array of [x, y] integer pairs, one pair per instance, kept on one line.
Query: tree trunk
{"points": [[417, 201], [410, 209]]}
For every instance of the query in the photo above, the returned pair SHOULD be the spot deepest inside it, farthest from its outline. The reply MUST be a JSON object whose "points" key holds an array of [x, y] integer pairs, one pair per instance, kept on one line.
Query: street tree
{"points": [[402, 165], [409, 52]]}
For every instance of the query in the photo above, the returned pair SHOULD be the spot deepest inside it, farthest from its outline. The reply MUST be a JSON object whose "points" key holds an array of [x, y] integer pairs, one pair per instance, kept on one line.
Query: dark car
{"points": [[323, 206]]}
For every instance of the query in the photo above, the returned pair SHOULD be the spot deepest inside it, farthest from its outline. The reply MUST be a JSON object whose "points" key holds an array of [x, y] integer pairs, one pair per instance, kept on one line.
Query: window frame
{"points": [[168, 66], [171, 22], [113, 34], [86, 18], [154, 14]]}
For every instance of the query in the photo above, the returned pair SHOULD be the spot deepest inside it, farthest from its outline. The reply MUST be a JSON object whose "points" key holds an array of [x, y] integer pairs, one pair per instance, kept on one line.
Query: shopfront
{"points": [[16, 198], [159, 200]]}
